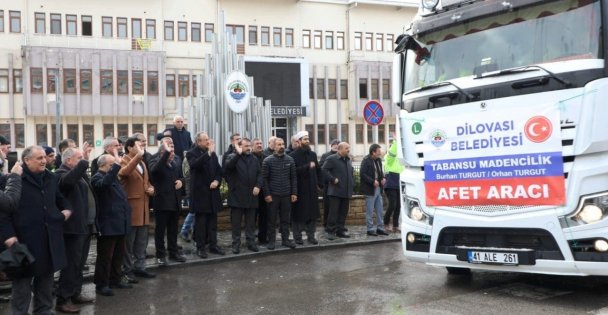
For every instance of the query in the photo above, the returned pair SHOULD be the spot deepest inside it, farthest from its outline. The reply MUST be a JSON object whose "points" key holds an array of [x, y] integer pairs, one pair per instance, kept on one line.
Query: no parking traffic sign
{"points": [[373, 113]]}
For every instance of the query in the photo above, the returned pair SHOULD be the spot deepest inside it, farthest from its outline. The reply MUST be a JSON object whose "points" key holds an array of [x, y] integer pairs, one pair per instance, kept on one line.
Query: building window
{"points": [[358, 40], [87, 25], [194, 85], [55, 24], [108, 130], [320, 134], [329, 40], [50, 80], [73, 132], [381, 133], [359, 133], [318, 39], [88, 133], [69, 80], [208, 32], [195, 32], [311, 90], [379, 42], [239, 31], [184, 84], [363, 88], [85, 81], [107, 82], [137, 83], [391, 130], [320, 88], [17, 81], [40, 19], [2, 21], [369, 41], [253, 35], [36, 80], [20, 135], [289, 37], [306, 38], [182, 31], [41, 133], [122, 131], [137, 128], [390, 44], [386, 89], [152, 131], [150, 29], [71, 22], [3, 80], [152, 83], [331, 85], [311, 132], [170, 88], [15, 17], [106, 26], [344, 132], [136, 28], [168, 30], [122, 81], [340, 40], [375, 89], [344, 89], [333, 131], [121, 27], [277, 34], [265, 36]]}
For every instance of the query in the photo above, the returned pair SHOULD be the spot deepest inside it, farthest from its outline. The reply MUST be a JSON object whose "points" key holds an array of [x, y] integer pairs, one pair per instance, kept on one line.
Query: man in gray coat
{"points": [[338, 169]]}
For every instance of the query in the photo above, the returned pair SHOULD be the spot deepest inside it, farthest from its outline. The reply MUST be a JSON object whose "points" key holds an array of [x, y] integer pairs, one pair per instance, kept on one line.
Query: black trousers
{"points": [[338, 211], [394, 207], [280, 206], [110, 256], [205, 229], [325, 205], [236, 215], [41, 286], [309, 227], [70, 278], [166, 221], [262, 213]]}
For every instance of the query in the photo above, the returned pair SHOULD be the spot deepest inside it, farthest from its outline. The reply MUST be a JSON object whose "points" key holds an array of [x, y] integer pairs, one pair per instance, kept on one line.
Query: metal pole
{"points": [[57, 111]]}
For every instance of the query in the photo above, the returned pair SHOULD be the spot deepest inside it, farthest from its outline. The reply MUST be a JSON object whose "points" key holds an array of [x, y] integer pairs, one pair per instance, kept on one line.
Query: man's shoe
{"points": [[388, 228], [201, 253], [67, 308], [217, 250], [372, 233], [236, 249], [81, 299], [270, 245], [253, 248], [162, 262], [313, 241], [185, 237], [105, 291], [299, 241], [342, 235], [143, 274], [289, 243], [381, 232], [121, 285], [331, 236], [178, 258], [130, 278]]}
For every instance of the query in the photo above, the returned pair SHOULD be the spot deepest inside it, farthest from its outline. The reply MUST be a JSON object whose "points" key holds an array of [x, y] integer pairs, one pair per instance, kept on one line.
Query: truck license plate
{"points": [[476, 257]]}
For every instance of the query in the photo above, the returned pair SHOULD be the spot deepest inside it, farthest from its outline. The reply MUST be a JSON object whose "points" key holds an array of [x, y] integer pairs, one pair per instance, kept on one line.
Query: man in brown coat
{"points": [[133, 175]]}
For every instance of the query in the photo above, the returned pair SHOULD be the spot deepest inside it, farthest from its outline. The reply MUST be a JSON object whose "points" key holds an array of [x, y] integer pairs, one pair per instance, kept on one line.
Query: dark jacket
{"points": [[341, 168], [392, 181], [113, 210], [38, 222], [163, 176], [204, 169], [182, 141], [369, 175], [309, 179], [10, 195], [268, 152], [279, 175], [226, 154], [243, 173], [321, 162], [73, 184]]}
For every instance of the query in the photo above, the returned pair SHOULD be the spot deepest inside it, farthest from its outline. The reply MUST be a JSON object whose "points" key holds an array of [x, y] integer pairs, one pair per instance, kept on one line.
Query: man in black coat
{"points": [[182, 140], [243, 174], [167, 179], [306, 210], [372, 184], [234, 139], [74, 185], [333, 150], [109, 145], [113, 223], [262, 210], [338, 169], [41, 231], [206, 201]]}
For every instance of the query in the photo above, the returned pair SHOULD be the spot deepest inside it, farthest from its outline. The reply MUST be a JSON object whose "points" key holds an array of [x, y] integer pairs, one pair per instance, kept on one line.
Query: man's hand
{"points": [[10, 241], [66, 213], [178, 184], [139, 151], [17, 169], [312, 164], [376, 183], [214, 184], [150, 191], [383, 182], [238, 148], [268, 199], [211, 146], [256, 191], [336, 181], [86, 150], [294, 198]]}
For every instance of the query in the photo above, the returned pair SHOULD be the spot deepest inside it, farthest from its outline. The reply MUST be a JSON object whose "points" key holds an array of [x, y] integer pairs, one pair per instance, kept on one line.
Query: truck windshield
{"points": [[550, 32]]}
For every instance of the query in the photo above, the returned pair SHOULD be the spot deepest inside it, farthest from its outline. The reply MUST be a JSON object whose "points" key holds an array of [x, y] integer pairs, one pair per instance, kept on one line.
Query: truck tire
{"points": [[458, 271]]}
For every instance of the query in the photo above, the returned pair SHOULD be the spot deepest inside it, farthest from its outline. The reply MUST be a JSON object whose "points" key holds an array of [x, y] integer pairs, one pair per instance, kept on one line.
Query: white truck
{"points": [[504, 135]]}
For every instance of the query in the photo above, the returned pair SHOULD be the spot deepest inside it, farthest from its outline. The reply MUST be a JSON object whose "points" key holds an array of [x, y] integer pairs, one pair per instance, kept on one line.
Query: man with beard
{"points": [[306, 209], [270, 149], [262, 211], [338, 169], [280, 190], [334, 149], [234, 139]]}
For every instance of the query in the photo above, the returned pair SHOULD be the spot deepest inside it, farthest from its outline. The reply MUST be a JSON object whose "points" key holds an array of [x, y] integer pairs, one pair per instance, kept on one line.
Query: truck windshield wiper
{"points": [[469, 96], [521, 70]]}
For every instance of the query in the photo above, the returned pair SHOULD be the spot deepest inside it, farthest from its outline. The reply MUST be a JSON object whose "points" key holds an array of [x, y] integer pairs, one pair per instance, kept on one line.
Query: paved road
{"points": [[371, 279]]}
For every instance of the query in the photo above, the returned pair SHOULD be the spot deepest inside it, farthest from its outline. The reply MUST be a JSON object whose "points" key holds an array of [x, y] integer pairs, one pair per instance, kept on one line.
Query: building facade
{"points": [[119, 67]]}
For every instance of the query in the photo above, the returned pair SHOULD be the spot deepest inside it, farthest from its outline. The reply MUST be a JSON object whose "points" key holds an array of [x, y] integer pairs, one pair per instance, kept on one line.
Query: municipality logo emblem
{"points": [[438, 138], [238, 90]]}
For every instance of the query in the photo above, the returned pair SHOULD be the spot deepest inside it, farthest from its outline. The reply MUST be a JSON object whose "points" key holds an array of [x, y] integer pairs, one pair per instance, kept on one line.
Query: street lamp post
{"points": [[57, 111]]}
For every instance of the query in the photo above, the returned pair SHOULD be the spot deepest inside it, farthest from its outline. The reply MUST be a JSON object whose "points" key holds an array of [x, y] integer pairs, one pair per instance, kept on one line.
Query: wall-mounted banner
{"points": [[495, 158], [236, 90]]}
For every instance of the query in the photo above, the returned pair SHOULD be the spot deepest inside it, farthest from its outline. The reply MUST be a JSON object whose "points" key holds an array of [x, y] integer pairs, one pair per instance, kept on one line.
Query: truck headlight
{"points": [[429, 4], [415, 212], [590, 214], [591, 209]]}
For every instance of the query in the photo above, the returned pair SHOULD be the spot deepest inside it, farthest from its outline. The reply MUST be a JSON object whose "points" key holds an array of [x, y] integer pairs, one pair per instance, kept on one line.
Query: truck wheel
{"points": [[458, 271]]}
